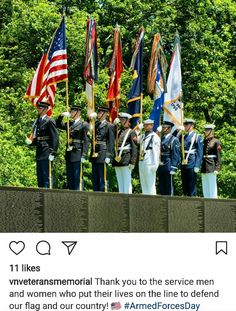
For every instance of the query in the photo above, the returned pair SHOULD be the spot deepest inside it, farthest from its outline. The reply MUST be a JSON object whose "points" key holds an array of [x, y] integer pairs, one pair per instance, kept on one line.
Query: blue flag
{"points": [[135, 94], [158, 98]]}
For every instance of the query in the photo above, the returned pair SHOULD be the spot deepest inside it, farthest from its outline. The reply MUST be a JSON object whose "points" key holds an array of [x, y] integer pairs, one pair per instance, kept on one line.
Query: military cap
{"points": [[42, 105], [148, 121], [124, 115], [167, 124], [76, 107], [189, 121], [209, 126], [103, 108]]}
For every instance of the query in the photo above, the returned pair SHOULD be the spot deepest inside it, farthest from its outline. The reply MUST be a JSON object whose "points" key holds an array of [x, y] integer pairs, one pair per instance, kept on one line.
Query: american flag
{"points": [[115, 306], [52, 69]]}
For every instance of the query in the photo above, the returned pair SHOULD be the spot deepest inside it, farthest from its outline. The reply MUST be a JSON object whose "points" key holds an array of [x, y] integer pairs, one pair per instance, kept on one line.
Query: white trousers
{"points": [[147, 174], [123, 175], [209, 185]]}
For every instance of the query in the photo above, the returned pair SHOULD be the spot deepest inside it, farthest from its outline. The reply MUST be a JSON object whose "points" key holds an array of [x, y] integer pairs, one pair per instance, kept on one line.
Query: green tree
{"points": [[207, 33]]}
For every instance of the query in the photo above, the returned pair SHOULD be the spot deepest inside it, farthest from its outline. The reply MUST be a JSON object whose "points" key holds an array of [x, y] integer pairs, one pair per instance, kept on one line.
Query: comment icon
{"points": [[43, 248]]}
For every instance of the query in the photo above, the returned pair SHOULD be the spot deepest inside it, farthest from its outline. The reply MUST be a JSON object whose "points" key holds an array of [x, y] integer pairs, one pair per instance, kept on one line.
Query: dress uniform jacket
{"points": [[194, 160], [78, 138], [149, 161], [104, 136], [170, 153], [150, 149], [211, 155], [46, 138], [196, 153], [129, 153]]}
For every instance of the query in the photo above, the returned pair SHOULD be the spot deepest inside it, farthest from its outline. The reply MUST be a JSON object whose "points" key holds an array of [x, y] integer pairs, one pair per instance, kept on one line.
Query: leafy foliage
{"points": [[207, 32]]}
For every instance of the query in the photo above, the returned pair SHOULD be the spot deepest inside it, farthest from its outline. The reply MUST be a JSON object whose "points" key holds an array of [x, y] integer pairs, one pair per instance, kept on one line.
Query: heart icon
{"points": [[17, 247]]}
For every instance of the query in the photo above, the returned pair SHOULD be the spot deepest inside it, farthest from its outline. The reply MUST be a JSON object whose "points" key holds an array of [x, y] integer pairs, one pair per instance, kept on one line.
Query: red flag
{"points": [[115, 70], [52, 69]]}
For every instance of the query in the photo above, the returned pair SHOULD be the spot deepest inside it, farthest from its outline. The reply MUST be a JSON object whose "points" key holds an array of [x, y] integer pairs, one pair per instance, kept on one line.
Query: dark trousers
{"points": [[165, 183], [98, 175], [43, 173], [189, 181], [73, 170]]}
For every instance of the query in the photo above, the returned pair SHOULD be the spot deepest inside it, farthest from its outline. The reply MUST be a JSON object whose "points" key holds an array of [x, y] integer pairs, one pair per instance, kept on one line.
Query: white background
{"points": [[124, 256]]}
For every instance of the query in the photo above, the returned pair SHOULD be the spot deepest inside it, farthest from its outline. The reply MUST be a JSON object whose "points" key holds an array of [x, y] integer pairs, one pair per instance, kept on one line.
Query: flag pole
{"points": [[116, 43], [50, 175], [69, 148], [182, 136], [94, 155]]}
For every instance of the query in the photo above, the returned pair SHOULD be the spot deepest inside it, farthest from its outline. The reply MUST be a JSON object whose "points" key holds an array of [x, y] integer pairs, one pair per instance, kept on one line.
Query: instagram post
{"points": [[117, 141]]}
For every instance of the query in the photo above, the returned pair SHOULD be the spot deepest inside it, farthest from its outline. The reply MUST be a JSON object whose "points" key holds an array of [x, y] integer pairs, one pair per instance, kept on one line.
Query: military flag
{"points": [[135, 94], [51, 70], [157, 79], [173, 106], [115, 70], [91, 62]]}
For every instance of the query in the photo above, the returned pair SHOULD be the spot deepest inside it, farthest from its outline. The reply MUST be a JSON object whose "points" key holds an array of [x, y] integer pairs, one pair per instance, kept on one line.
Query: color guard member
{"points": [[126, 153], [191, 164], [77, 146], [170, 159], [104, 148], [149, 158], [46, 139], [211, 162]]}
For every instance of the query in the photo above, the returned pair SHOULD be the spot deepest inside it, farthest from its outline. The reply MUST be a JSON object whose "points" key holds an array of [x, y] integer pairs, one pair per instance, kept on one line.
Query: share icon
{"points": [[70, 245]]}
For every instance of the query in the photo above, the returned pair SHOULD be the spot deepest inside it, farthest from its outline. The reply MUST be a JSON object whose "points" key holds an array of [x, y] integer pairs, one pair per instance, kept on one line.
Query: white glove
{"points": [[116, 121], [180, 128], [172, 172], [131, 166], [66, 114], [216, 172], [159, 129], [196, 169], [140, 126], [28, 141], [107, 160], [51, 157], [93, 116], [83, 160]]}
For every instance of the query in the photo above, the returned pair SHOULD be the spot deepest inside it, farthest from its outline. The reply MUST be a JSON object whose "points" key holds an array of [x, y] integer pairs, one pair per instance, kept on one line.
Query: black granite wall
{"points": [[42, 210]]}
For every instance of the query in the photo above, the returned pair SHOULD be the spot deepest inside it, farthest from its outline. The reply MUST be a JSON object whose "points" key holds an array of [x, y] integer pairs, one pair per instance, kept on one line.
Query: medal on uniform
{"points": [[69, 148], [141, 156], [184, 162], [117, 158]]}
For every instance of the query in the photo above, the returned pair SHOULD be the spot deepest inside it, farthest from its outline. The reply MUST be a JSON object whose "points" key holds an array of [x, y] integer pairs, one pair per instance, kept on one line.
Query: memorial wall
{"points": [[43, 210]]}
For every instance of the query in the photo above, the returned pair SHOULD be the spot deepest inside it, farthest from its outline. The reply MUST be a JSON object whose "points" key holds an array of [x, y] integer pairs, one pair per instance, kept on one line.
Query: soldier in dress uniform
{"points": [[104, 148], [77, 146], [149, 158], [211, 162], [170, 159], [126, 152], [193, 153], [46, 139]]}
